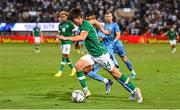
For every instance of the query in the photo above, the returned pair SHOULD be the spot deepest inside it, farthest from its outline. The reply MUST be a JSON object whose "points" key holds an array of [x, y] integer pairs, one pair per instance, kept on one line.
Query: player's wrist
{"points": [[115, 41]]}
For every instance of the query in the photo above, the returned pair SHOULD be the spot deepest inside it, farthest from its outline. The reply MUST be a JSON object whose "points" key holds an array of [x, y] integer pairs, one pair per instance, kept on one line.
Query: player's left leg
{"points": [[37, 48], [37, 44], [91, 72], [129, 66], [119, 49], [173, 45], [67, 49], [122, 78], [173, 48]]}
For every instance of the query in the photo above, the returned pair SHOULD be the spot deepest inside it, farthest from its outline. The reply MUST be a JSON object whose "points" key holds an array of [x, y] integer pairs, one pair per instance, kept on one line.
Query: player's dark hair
{"points": [[109, 12], [75, 13], [64, 12], [90, 13]]}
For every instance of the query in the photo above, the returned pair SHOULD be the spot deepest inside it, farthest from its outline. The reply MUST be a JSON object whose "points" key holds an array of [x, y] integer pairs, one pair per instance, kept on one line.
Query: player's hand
{"points": [[57, 41], [113, 43], [107, 32]]}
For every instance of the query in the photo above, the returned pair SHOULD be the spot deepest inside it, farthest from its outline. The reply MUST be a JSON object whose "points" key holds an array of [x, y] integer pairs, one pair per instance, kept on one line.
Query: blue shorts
{"points": [[119, 49], [112, 56]]}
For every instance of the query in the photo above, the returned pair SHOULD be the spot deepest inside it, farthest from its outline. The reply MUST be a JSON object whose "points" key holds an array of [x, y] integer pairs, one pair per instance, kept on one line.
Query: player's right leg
{"points": [[82, 63], [63, 62], [119, 49], [125, 81], [66, 54], [61, 69]]}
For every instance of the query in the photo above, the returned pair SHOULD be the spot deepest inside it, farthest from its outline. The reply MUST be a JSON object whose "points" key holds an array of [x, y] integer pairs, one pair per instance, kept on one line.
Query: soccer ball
{"points": [[78, 96]]}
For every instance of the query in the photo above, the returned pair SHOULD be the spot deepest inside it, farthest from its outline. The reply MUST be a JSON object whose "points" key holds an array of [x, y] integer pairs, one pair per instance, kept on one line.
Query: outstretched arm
{"points": [[118, 35], [80, 37], [99, 26], [164, 34], [177, 35]]}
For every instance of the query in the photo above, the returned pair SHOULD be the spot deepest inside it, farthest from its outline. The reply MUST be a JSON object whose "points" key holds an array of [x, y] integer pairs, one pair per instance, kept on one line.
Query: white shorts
{"points": [[104, 60], [37, 40], [66, 48], [172, 42]]}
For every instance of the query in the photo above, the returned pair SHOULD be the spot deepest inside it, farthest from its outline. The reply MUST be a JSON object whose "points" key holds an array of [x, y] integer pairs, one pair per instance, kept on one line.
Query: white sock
{"points": [[105, 80], [85, 89], [133, 72], [74, 69]]}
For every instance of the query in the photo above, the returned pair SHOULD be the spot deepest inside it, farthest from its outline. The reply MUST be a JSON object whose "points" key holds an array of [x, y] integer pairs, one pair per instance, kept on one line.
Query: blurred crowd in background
{"points": [[151, 16]]}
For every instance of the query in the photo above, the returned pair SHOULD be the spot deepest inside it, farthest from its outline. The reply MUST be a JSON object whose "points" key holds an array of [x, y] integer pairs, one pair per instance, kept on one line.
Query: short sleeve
{"points": [[101, 34], [116, 27]]}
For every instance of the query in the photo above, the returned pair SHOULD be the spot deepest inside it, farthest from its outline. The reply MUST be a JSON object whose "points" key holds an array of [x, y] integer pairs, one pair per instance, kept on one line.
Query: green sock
{"points": [[127, 83], [82, 79], [120, 69], [63, 62], [37, 47], [68, 61]]}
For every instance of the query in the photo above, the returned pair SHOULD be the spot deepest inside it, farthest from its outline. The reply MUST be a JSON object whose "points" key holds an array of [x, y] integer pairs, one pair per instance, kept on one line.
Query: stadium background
{"points": [[135, 17], [26, 78]]}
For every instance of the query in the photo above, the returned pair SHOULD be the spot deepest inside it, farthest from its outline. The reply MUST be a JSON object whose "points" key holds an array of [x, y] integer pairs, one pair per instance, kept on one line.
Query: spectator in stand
{"points": [[154, 16]]}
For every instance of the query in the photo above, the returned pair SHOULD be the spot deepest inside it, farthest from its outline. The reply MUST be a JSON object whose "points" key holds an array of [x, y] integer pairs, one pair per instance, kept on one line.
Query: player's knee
{"points": [[115, 73], [78, 67], [88, 69], [65, 55]]}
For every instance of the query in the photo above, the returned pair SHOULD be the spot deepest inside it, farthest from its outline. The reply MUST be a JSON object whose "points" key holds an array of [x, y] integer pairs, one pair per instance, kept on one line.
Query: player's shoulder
{"points": [[115, 23], [86, 23], [69, 22], [60, 23]]}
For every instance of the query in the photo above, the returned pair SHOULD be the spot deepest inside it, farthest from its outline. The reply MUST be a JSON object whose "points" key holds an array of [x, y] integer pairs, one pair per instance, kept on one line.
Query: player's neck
{"points": [[109, 22], [64, 21]]}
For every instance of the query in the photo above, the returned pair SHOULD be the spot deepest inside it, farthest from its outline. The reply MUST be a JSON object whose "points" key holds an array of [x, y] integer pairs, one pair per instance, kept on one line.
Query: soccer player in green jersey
{"points": [[172, 35], [37, 37], [66, 28], [96, 54]]}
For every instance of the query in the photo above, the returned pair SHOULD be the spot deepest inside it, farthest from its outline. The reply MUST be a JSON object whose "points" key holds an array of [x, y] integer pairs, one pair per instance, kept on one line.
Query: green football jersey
{"points": [[171, 35], [92, 43], [36, 31], [66, 29]]}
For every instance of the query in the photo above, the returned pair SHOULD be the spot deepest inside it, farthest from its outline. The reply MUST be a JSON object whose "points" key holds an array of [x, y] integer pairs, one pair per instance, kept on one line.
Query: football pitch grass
{"points": [[27, 79]]}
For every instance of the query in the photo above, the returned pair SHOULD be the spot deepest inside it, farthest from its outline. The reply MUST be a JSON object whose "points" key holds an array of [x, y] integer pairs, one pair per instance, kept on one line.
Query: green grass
{"points": [[27, 81]]}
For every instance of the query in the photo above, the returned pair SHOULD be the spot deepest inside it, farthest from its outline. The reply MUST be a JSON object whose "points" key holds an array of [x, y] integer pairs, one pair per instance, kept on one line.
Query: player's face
{"points": [[77, 21], [63, 17], [108, 17], [172, 29]]}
